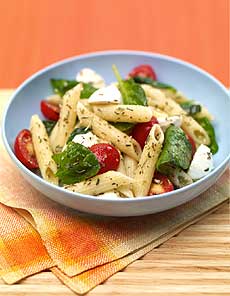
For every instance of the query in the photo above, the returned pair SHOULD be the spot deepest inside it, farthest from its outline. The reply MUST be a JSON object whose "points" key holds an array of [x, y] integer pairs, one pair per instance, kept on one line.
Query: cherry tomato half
{"points": [[50, 111], [141, 131], [192, 142], [24, 149], [107, 155], [160, 184], [144, 71]]}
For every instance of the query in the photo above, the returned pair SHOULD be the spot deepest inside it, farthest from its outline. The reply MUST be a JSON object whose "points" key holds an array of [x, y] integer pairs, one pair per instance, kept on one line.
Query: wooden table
{"points": [[195, 262]]}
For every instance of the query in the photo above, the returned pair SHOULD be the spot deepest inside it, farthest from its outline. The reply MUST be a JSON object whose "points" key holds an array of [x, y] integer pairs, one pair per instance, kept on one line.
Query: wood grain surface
{"points": [[37, 33], [196, 262]]}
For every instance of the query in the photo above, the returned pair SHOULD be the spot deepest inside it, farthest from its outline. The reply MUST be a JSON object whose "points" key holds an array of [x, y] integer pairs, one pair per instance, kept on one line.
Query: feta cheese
{"points": [[165, 122], [202, 163], [106, 95], [86, 140], [110, 194], [88, 75]]}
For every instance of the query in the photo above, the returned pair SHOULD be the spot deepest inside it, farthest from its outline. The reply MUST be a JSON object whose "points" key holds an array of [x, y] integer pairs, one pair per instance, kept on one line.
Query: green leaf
{"points": [[176, 152], [154, 83], [206, 124], [132, 93], [49, 125], [125, 127], [87, 91], [75, 164], [77, 131], [61, 86], [190, 107]]}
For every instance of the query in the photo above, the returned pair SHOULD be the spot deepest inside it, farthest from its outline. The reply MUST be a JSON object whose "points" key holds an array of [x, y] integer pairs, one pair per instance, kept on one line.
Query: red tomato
{"points": [[192, 142], [50, 111], [144, 71], [160, 184], [24, 149], [107, 155], [141, 131]]}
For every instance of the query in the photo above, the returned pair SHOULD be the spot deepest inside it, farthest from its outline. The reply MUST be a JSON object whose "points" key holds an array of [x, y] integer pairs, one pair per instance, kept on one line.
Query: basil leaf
{"points": [[77, 131], [176, 152], [206, 124], [49, 125], [87, 91], [132, 93], [61, 86], [190, 107], [125, 127], [75, 164], [154, 83]]}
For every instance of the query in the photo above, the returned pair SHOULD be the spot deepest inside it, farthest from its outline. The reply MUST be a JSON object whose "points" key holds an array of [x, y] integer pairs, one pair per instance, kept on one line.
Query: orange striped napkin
{"points": [[84, 249]]}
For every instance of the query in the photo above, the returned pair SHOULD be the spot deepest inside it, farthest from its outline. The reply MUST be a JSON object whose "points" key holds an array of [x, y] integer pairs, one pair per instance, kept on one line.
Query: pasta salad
{"points": [[135, 137]]}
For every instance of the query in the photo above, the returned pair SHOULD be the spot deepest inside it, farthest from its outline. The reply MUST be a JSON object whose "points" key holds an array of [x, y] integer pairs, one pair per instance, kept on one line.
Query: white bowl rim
{"points": [[108, 199]]}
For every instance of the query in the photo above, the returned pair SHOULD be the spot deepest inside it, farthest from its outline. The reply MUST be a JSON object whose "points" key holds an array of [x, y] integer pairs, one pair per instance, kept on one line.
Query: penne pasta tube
{"points": [[158, 113], [123, 113], [85, 102], [130, 165], [101, 183], [145, 170], [204, 113], [157, 99], [195, 130], [125, 189], [106, 131], [43, 150], [67, 120]]}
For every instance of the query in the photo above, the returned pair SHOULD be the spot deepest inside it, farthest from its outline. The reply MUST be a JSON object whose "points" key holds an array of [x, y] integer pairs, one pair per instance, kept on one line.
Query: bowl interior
{"points": [[195, 83]]}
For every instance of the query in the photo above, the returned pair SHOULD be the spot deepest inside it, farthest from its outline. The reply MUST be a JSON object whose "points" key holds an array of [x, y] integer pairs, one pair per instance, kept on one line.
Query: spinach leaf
{"points": [[61, 86], [132, 93], [125, 127], [49, 125], [154, 83], [206, 124], [77, 131], [75, 164], [190, 107]]}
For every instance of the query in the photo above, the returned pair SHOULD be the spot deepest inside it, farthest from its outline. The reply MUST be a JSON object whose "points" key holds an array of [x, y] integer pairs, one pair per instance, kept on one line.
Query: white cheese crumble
{"points": [[87, 140], [88, 75], [202, 163], [165, 122], [106, 95]]}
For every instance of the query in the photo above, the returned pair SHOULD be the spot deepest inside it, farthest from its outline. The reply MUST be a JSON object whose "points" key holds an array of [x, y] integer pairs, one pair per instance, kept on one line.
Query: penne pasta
{"points": [[158, 113], [101, 183], [125, 189], [106, 131], [195, 130], [43, 150], [145, 170], [157, 99], [204, 113], [123, 113], [67, 120], [130, 165]]}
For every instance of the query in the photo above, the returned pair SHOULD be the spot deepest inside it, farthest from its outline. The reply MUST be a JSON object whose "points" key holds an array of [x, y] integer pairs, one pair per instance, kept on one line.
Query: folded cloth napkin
{"points": [[84, 249]]}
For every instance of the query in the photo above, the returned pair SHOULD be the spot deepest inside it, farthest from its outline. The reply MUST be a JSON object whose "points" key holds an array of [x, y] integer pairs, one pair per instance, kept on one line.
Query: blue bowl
{"points": [[191, 80]]}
